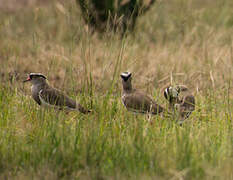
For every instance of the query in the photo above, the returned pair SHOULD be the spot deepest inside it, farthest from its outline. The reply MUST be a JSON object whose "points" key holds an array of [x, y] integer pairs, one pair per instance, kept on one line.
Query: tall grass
{"points": [[187, 42]]}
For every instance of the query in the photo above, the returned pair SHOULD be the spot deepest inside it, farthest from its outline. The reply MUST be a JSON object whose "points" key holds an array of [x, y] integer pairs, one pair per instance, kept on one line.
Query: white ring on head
{"points": [[126, 74], [38, 74]]}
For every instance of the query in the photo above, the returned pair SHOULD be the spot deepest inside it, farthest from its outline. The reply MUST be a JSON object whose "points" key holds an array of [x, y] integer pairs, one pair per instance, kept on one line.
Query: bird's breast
{"points": [[123, 99]]}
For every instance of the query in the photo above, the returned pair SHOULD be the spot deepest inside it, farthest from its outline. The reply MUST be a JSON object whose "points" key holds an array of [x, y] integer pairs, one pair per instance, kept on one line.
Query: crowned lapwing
{"points": [[180, 100], [135, 100], [46, 95]]}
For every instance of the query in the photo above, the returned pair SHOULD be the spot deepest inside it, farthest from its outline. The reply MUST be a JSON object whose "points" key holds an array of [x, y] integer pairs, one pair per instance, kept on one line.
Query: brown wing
{"points": [[189, 103], [139, 102], [55, 97], [187, 106], [35, 96]]}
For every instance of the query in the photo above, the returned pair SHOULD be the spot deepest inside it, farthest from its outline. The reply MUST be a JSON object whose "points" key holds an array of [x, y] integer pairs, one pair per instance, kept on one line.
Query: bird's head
{"points": [[171, 93], [126, 76], [36, 78], [126, 80]]}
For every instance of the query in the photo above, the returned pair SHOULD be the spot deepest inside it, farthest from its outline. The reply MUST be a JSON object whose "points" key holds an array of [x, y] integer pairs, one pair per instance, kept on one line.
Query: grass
{"points": [[186, 42]]}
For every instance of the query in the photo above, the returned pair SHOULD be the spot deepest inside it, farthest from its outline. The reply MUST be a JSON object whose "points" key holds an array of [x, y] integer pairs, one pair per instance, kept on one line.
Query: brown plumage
{"points": [[135, 100], [180, 100], [186, 106], [45, 95]]}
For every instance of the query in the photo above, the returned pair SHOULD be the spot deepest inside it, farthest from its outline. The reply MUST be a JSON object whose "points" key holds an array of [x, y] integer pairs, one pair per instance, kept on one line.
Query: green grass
{"points": [[112, 142], [186, 42]]}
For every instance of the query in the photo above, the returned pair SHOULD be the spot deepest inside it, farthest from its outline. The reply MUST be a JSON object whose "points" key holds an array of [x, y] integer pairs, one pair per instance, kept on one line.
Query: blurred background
{"points": [[172, 42]]}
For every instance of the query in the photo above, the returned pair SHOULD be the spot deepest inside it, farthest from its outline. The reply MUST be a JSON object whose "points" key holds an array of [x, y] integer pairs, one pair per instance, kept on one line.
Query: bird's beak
{"points": [[28, 79]]}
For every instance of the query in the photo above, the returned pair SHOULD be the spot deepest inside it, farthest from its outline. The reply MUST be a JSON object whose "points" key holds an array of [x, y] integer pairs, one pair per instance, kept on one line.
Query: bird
{"points": [[135, 100], [184, 105], [45, 95]]}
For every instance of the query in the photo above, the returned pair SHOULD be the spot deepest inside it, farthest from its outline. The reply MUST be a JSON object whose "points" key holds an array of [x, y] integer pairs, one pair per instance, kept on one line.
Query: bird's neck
{"points": [[39, 86], [127, 87]]}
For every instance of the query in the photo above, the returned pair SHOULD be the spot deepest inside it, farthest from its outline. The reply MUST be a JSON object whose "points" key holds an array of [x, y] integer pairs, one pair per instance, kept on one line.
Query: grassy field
{"points": [[177, 42]]}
